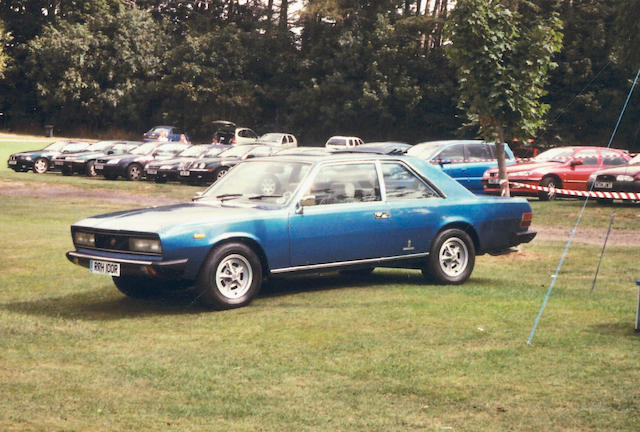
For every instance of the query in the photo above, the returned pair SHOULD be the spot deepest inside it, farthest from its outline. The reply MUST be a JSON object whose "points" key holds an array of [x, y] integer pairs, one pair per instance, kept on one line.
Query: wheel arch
{"points": [[553, 176], [248, 241], [466, 227]]}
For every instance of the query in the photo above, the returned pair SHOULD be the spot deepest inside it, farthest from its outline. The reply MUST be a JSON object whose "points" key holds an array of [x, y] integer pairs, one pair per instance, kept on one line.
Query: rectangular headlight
{"points": [[84, 239], [145, 245]]}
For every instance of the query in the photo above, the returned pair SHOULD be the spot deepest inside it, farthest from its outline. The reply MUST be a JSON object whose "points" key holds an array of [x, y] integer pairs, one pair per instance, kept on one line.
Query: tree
{"points": [[503, 52], [4, 58], [97, 72]]}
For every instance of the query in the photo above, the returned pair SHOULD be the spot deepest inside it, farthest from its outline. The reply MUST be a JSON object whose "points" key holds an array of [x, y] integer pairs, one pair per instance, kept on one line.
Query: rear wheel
{"points": [[549, 182], [40, 166], [134, 172], [451, 258], [230, 278], [137, 286], [91, 169]]}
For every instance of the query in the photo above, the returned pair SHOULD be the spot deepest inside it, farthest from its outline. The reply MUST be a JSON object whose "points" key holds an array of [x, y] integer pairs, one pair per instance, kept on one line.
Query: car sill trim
{"points": [[343, 263]]}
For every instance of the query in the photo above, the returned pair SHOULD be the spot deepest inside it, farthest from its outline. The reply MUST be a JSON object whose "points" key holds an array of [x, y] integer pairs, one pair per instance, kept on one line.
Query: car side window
{"points": [[401, 184], [346, 183], [453, 152], [588, 157], [478, 152], [612, 158]]}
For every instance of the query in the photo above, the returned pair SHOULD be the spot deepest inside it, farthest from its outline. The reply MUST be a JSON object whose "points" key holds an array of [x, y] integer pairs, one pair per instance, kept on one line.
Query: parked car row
{"points": [[471, 162]]}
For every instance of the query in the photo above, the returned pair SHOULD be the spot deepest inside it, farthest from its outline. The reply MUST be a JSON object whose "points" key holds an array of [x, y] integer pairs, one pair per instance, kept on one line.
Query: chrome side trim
{"points": [[342, 263]]}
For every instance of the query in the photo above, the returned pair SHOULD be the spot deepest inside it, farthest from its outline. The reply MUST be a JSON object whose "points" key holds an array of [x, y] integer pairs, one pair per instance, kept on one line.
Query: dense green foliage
{"points": [[316, 68]]}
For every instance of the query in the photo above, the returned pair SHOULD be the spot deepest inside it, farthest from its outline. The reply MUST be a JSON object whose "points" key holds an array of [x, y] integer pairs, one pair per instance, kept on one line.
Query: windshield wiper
{"points": [[257, 197], [228, 196]]}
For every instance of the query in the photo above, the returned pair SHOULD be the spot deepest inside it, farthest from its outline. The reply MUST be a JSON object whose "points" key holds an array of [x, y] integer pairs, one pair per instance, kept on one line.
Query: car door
{"points": [[479, 159], [413, 209], [451, 158], [345, 217], [576, 176]]}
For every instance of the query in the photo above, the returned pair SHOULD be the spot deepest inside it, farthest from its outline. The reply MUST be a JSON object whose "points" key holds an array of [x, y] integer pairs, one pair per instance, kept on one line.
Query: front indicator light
{"points": [[145, 245], [84, 239]]}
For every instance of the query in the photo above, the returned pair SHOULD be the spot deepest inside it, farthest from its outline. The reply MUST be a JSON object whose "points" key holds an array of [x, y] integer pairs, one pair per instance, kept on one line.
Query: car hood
{"points": [[162, 219], [42, 153], [174, 161]]}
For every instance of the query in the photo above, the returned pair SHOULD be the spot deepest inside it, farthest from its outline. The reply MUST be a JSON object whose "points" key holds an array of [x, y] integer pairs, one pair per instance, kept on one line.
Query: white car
{"points": [[343, 142], [228, 133], [278, 139]]}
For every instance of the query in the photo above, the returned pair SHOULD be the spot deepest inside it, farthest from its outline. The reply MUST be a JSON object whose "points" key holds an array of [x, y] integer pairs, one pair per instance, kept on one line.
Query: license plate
{"points": [[98, 166], [58, 163], [493, 180], [13, 162], [184, 173], [152, 171], [104, 267], [604, 185]]}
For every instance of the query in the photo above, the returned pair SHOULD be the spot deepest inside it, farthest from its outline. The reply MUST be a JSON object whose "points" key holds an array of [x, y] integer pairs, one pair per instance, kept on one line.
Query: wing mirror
{"points": [[306, 201], [576, 162], [444, 161]]}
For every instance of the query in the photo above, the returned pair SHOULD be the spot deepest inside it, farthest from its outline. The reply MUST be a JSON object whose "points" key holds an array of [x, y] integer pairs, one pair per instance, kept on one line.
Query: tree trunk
{"points": [[502, 167], [284, 16], [269, 15]]}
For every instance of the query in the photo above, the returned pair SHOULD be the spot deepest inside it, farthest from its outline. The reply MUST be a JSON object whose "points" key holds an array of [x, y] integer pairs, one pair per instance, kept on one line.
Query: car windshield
{"points": [[561, 154], [337, 142], [170, 149], [56, 146], [75, 147], [260, 181], [101, 145], [193, 151], [425, 150], [238, 151], [213, 152], [144, 149], [157, 130], [122, 148]]}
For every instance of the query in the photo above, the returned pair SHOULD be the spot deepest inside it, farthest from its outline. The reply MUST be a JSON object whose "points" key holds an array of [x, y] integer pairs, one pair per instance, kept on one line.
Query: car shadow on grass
{"points": [[106, 303]]}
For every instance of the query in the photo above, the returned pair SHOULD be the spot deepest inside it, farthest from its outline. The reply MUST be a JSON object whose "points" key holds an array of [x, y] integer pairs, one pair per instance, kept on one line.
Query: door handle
{"points": [[381, 215]]}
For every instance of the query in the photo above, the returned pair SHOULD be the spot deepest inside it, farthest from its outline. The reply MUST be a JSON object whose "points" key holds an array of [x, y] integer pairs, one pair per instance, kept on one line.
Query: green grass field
{"points": [[320, 353]]}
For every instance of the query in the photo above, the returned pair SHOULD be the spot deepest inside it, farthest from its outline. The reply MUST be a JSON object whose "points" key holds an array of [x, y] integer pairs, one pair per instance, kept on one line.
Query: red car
{"points": [[560, 168]]}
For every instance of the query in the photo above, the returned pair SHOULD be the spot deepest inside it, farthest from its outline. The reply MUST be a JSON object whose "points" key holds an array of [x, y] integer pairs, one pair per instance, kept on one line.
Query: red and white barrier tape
{"points": [[592, 194]]}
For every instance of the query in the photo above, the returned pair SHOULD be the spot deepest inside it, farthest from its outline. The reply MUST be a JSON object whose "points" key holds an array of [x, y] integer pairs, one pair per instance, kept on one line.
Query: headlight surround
{"points": [[84, 239], [27, 157], [624, 178], [520, 174], [145, 245]]}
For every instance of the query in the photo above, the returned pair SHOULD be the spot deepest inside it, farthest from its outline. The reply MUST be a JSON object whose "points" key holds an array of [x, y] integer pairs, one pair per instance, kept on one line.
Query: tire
{"points": [[90, 170], [549, 182], [451, 258], [137, 286], [40, 165], [230, 277], [134, 172], [269, 185], [219, 173]]}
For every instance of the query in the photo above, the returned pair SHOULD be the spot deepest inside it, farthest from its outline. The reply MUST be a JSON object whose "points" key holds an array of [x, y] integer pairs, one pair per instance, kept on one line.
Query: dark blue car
{"points": [[337, 212], [464, 160]]}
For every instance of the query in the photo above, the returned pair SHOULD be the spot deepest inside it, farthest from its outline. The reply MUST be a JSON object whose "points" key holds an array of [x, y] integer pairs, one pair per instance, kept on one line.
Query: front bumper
{"points": [[173, 269], [20, 164], [197, 175], [494, 189]]}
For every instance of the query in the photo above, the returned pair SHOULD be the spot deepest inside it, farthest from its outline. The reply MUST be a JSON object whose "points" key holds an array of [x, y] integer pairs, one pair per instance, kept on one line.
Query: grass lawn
{"points": [[387, 352]]}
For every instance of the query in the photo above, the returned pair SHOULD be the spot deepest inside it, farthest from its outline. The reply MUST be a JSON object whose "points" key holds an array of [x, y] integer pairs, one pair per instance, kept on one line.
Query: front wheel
{"points": [[221, 172], [451, 258], [231, 277], [134, 172], [91, 169], [40, 166], [549, 182]]}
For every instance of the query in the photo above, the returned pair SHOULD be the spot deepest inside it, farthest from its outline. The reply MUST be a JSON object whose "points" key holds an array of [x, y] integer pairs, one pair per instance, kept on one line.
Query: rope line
{"points": [[575, 227]]}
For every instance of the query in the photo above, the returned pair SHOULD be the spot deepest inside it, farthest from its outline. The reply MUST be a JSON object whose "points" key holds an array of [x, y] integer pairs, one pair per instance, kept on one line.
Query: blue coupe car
{"points": [[349, 212], [464, 160]]}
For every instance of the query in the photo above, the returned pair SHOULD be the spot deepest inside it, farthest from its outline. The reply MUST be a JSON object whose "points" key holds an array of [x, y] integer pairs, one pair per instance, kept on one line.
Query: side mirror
{"points": [[306, 201], [251, 156], [444, 161], [576, 162]]}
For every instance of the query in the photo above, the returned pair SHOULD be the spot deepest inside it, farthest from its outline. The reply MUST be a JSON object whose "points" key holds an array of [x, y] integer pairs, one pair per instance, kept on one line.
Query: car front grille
{"points": [[606, 178], [116, 241]]}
